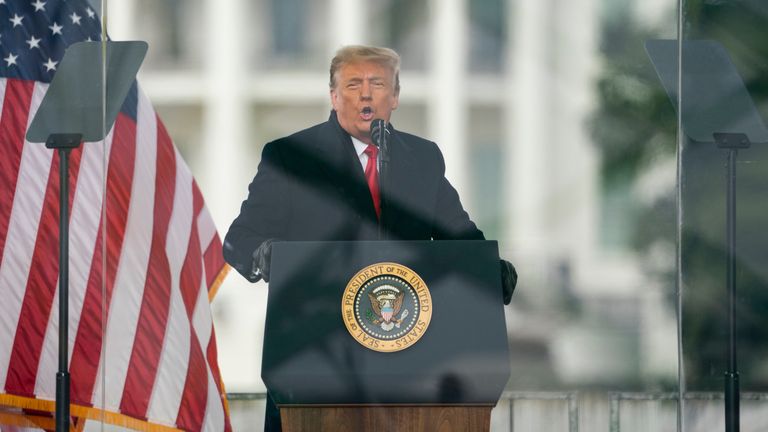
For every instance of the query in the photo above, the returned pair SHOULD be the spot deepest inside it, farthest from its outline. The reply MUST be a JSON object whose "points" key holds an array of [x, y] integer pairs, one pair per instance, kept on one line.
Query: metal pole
{"points": [[614, 419], [64, 143], [731, 375], [62, 377], [573, 412], [383, 173], [732, 142], [511, 415]]}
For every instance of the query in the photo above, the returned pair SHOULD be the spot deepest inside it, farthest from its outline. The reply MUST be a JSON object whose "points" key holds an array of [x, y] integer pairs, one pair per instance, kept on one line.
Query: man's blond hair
{"points": [[360, 53]]}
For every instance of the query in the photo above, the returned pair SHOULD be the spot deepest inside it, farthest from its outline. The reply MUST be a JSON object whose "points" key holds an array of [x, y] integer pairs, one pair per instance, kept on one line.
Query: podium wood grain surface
{"points": [[386, 418]]}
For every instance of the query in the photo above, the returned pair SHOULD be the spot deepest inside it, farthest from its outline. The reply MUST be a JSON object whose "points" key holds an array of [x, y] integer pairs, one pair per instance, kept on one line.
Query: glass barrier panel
{"points": [[553, 127], [724, 101], [52, 127]]}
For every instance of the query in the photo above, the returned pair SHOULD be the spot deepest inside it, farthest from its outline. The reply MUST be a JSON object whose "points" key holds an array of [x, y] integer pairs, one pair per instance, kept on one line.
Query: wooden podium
{"points": [[335, 361], [386, 418]]}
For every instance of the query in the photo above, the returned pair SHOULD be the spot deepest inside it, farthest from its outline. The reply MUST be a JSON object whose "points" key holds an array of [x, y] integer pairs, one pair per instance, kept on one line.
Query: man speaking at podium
{"points": [[322, 183]]}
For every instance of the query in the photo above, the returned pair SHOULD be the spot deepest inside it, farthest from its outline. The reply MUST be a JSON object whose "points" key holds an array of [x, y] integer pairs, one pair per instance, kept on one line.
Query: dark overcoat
{"points": [[311, 186]]}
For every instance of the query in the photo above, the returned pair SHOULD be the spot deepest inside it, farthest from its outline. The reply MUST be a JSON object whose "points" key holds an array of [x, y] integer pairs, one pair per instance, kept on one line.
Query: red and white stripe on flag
{"points": [[156, 271]]}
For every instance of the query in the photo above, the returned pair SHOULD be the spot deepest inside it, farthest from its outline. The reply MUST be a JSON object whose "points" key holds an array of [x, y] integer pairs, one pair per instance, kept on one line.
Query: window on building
{"points": [[487, 35], [402, 26], [486, 177], [175, 31], [287, 34]]}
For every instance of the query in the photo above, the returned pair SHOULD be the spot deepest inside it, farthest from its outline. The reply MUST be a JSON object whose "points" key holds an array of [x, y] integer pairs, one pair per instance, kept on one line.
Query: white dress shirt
{"points": [[360, 149]]}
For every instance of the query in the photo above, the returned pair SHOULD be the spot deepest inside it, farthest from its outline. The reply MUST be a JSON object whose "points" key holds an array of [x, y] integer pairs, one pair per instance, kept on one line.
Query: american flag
{"points": [[150, 363]]}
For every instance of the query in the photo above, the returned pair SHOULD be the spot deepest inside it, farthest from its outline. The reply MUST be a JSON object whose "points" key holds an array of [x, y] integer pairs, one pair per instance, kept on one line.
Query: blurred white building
{"points": [[504, 87]]}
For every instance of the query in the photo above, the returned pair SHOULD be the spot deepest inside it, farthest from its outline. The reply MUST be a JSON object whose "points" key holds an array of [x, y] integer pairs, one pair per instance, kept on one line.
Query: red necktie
{"points": [[372, 177]]}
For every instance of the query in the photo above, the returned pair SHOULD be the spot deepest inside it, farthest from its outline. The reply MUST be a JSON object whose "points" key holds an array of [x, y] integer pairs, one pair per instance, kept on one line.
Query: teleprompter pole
{"points": [[732, 142], [731, 374], [64, 143]]}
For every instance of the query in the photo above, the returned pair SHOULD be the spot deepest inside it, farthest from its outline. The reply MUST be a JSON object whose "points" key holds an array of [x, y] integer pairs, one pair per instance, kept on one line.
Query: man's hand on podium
{"points": [[262, 257], [508, 280]]}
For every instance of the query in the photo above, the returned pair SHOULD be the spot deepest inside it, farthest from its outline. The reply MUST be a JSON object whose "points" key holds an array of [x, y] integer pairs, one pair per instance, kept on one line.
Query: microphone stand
{"points": [[383, 162]]}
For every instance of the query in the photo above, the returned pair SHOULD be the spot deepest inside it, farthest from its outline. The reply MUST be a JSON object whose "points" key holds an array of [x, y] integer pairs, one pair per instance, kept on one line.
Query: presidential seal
{"points": [[386, 307]]}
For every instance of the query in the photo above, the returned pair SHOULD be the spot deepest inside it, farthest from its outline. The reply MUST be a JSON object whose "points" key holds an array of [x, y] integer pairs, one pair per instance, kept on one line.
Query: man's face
{"points": [[364, 91]]}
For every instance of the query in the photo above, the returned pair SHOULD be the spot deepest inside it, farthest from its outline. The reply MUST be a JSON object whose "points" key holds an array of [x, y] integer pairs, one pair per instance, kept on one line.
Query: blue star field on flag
{"points": [[35, 33]]}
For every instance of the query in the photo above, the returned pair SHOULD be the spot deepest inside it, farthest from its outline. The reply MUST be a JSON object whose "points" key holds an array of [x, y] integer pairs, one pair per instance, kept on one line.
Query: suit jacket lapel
{"points": [[343, 168]]}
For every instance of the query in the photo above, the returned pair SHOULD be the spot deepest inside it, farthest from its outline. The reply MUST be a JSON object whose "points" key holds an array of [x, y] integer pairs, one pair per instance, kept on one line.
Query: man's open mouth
{"points": [[366, 113]]}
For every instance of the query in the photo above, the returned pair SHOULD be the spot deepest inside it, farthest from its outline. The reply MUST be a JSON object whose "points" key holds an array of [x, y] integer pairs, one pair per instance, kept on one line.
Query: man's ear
{"points": [[334, 98]]}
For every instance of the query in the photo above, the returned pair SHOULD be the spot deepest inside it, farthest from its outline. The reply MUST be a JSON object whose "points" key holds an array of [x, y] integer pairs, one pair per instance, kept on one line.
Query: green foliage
{"points": [[635, 122]]}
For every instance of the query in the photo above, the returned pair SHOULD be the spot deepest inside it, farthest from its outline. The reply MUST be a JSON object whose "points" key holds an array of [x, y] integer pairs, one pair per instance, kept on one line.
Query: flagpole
{"points": [[64, 143]]}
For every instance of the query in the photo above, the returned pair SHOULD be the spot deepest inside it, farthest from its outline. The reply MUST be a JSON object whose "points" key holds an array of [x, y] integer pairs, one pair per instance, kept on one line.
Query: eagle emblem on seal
{"points": [[386, 302], [386, 307]]}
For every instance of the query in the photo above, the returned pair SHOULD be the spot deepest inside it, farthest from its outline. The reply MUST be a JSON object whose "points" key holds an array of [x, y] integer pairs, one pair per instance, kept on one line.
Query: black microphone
{"points": [[379, 133]]}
